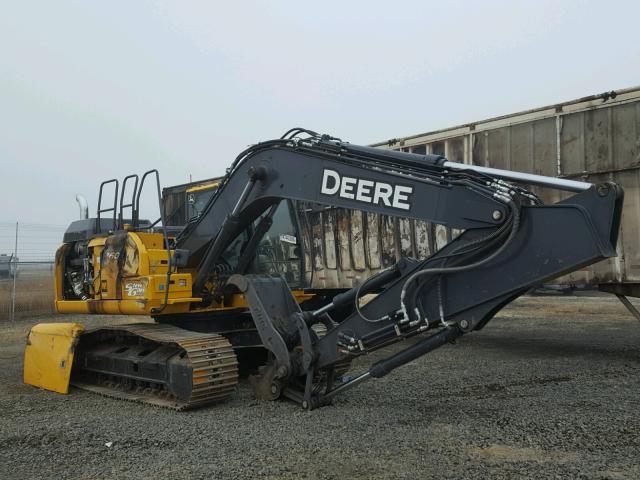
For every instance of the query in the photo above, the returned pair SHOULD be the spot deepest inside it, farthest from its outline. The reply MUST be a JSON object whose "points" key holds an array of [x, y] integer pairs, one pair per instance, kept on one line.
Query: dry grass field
{"points": [[34, 294]]}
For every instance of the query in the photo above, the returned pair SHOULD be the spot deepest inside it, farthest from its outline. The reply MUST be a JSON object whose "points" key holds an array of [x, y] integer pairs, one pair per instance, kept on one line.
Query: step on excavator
{"points": [[216, 310]]}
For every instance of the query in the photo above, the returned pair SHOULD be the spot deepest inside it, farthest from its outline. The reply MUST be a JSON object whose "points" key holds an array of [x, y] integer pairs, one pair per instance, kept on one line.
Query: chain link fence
{"points": [[27, 269]]}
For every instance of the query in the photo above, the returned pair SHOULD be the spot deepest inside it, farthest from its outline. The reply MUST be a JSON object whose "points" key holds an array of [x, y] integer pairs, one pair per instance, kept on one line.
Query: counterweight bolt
{"points": [[497, 215]]}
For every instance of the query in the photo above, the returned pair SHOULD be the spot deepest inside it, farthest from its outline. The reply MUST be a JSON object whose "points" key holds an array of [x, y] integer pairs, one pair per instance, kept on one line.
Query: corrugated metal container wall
{"points": [[344, 247], [596, 139]]}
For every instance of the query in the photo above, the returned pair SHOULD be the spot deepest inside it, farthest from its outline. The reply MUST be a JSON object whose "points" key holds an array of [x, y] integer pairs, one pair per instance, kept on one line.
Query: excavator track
{"points": [[156, 364]]}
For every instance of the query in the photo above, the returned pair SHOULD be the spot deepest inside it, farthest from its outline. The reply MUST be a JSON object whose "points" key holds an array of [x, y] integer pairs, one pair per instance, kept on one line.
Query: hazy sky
{"points": [[92, 90]]}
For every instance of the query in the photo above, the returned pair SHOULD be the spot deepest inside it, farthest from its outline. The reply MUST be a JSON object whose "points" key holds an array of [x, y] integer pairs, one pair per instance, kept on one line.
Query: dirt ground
{"points": [[549, 389]]}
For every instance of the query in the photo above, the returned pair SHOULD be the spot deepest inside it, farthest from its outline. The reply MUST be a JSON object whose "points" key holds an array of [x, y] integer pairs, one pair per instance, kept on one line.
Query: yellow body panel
{"points": [[130, 279], [48, 356], [144, 307], [203, 187]]}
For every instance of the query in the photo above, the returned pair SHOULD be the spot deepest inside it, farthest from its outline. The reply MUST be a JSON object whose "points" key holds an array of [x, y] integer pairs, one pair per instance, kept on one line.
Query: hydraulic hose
{"points": [[481, 243], [461, 268]]}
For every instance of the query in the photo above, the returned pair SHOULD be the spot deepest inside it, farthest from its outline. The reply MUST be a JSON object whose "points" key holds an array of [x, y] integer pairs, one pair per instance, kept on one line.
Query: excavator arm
{"points": [[214, 315], [510, 242]]}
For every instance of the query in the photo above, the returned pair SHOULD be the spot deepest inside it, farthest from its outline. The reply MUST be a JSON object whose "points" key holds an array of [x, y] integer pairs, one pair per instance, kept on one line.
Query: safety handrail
{"points": [[136, 221], [131, 205], [98, 226]]}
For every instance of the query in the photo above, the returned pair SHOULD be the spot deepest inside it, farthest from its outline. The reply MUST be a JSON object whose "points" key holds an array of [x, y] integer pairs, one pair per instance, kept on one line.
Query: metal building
{"points": [[7, 266]]}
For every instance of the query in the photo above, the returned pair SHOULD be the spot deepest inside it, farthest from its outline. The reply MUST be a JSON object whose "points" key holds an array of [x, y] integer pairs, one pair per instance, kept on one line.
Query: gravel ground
{"points": [[548, 390]]}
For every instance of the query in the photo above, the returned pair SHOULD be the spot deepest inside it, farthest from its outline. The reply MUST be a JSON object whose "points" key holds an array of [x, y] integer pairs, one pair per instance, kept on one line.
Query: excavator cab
{"points": [[197, 198], [278, 251]]}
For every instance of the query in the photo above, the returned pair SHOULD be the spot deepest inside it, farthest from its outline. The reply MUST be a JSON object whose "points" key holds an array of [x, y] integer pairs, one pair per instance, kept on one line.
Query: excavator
{"points": [[216, 307]]}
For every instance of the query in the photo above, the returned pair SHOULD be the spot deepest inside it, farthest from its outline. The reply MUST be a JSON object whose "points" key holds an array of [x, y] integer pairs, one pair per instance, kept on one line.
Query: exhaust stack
{"points": [[84, 207]]}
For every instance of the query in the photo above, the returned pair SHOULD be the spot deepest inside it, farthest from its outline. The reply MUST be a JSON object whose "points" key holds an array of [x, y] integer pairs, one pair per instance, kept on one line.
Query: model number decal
{"points": [[367, 191], [134, 289]]}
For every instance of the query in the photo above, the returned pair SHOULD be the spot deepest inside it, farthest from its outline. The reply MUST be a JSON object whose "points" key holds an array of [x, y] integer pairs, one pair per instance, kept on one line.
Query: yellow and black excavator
{"points": [[228, 292]]}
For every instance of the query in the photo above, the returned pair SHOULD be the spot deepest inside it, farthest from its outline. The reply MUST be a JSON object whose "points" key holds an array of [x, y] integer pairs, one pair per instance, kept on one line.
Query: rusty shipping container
{"points": [[594, 139]]}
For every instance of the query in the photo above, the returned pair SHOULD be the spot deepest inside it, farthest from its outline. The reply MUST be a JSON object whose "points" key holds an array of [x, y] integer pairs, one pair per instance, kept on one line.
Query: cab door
{"points": [[279, 252]]}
